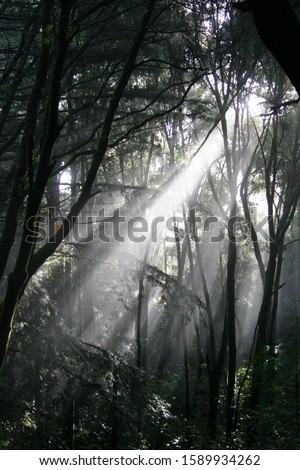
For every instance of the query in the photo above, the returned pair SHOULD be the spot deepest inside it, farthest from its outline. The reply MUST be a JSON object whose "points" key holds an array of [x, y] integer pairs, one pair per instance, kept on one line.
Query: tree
{"points": [[36, 161], [279, 28]]}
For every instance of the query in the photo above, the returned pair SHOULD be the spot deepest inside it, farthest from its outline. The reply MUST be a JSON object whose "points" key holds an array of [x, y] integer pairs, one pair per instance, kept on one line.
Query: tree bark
{"points": [[142, 318], [231, 264]]}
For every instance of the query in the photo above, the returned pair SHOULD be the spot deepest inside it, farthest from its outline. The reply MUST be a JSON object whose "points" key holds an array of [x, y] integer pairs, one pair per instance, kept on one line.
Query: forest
{"points": [[149, 224]]}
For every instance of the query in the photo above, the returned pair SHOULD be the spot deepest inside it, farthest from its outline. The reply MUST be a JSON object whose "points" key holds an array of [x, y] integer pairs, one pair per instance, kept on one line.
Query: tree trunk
{"points": [[186, 365], [231, 263], [273, 315], [142, 325]]}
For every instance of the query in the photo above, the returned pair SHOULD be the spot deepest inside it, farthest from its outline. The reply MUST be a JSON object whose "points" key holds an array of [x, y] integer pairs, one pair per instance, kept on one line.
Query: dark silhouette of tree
{"points": [[279, 28]]}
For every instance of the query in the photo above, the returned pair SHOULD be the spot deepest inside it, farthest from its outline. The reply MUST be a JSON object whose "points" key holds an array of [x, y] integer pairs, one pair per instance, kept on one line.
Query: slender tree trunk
{"points": [[69, 419], [142, 325], [194, 286], [264, 312], [231, 263], [186, 369], [183, 329], [67, 295], [88, 305], [273, 316], [254, 238]]}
